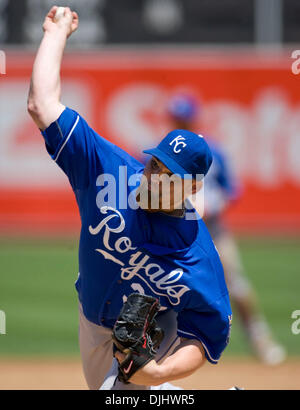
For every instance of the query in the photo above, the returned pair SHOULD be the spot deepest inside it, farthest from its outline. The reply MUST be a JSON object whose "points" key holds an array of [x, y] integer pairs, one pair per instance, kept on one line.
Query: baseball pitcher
{"points": [[153, 302]]}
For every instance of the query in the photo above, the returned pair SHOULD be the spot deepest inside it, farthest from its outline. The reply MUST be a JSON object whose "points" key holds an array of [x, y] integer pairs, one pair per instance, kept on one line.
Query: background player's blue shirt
{"points": [[220, 183], [123, 250]]}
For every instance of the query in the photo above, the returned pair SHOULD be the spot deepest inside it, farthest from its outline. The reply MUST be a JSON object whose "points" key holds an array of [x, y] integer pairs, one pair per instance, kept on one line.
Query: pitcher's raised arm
{"points": [[44, 104]]}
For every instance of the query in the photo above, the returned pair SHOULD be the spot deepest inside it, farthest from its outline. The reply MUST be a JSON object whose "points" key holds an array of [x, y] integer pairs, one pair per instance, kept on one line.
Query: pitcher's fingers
{"points": [[75, 16], [52, 12], [68, 14], [75, 22]]}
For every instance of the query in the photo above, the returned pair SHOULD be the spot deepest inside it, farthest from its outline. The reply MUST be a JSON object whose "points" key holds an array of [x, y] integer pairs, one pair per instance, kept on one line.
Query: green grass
{"points": [[38, 296], [273, 268]]}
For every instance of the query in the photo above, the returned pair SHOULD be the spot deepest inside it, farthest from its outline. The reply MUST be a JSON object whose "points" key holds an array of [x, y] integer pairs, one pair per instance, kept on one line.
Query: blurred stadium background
{"points": [[119, 70]]}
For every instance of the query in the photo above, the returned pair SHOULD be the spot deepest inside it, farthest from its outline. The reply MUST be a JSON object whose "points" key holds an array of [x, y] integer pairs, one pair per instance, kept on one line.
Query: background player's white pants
{"points": [[96, 348]]}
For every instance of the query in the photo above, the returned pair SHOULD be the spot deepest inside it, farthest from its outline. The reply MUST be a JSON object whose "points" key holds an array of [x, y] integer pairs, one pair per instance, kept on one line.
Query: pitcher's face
{"points": [[161, 189]]}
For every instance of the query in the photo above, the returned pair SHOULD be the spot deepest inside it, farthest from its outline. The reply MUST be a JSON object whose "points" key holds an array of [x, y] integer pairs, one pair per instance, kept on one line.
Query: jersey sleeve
{"points": [[211, 327], [71, 143]]}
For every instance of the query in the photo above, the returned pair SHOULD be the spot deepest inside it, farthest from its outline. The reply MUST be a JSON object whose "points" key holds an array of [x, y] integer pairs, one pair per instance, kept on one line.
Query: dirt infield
{"points": [[63, 374]]}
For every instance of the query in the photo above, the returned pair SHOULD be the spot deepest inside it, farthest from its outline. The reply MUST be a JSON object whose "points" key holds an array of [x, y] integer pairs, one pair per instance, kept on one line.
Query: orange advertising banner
{"points": [[249, 102]]}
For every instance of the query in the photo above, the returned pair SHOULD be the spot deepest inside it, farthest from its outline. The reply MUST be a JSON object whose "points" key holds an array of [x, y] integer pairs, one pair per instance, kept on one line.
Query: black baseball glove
{"points": [[136, 334]]}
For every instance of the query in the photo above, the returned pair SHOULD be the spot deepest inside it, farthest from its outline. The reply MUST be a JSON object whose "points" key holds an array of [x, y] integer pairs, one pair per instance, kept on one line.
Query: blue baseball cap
{"points": [[184, 153]]}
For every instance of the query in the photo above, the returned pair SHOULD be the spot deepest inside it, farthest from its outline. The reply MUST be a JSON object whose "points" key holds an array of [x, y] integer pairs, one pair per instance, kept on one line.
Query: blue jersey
{"points": [[124, 249]]}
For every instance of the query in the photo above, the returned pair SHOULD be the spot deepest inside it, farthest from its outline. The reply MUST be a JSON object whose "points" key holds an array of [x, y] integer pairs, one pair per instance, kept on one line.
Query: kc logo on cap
{"points": [[178, 141], [195, 156]]}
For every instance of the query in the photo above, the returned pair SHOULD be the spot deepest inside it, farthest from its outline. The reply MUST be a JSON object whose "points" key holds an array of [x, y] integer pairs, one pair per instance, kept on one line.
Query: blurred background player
{"points": [[221, 190]]}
